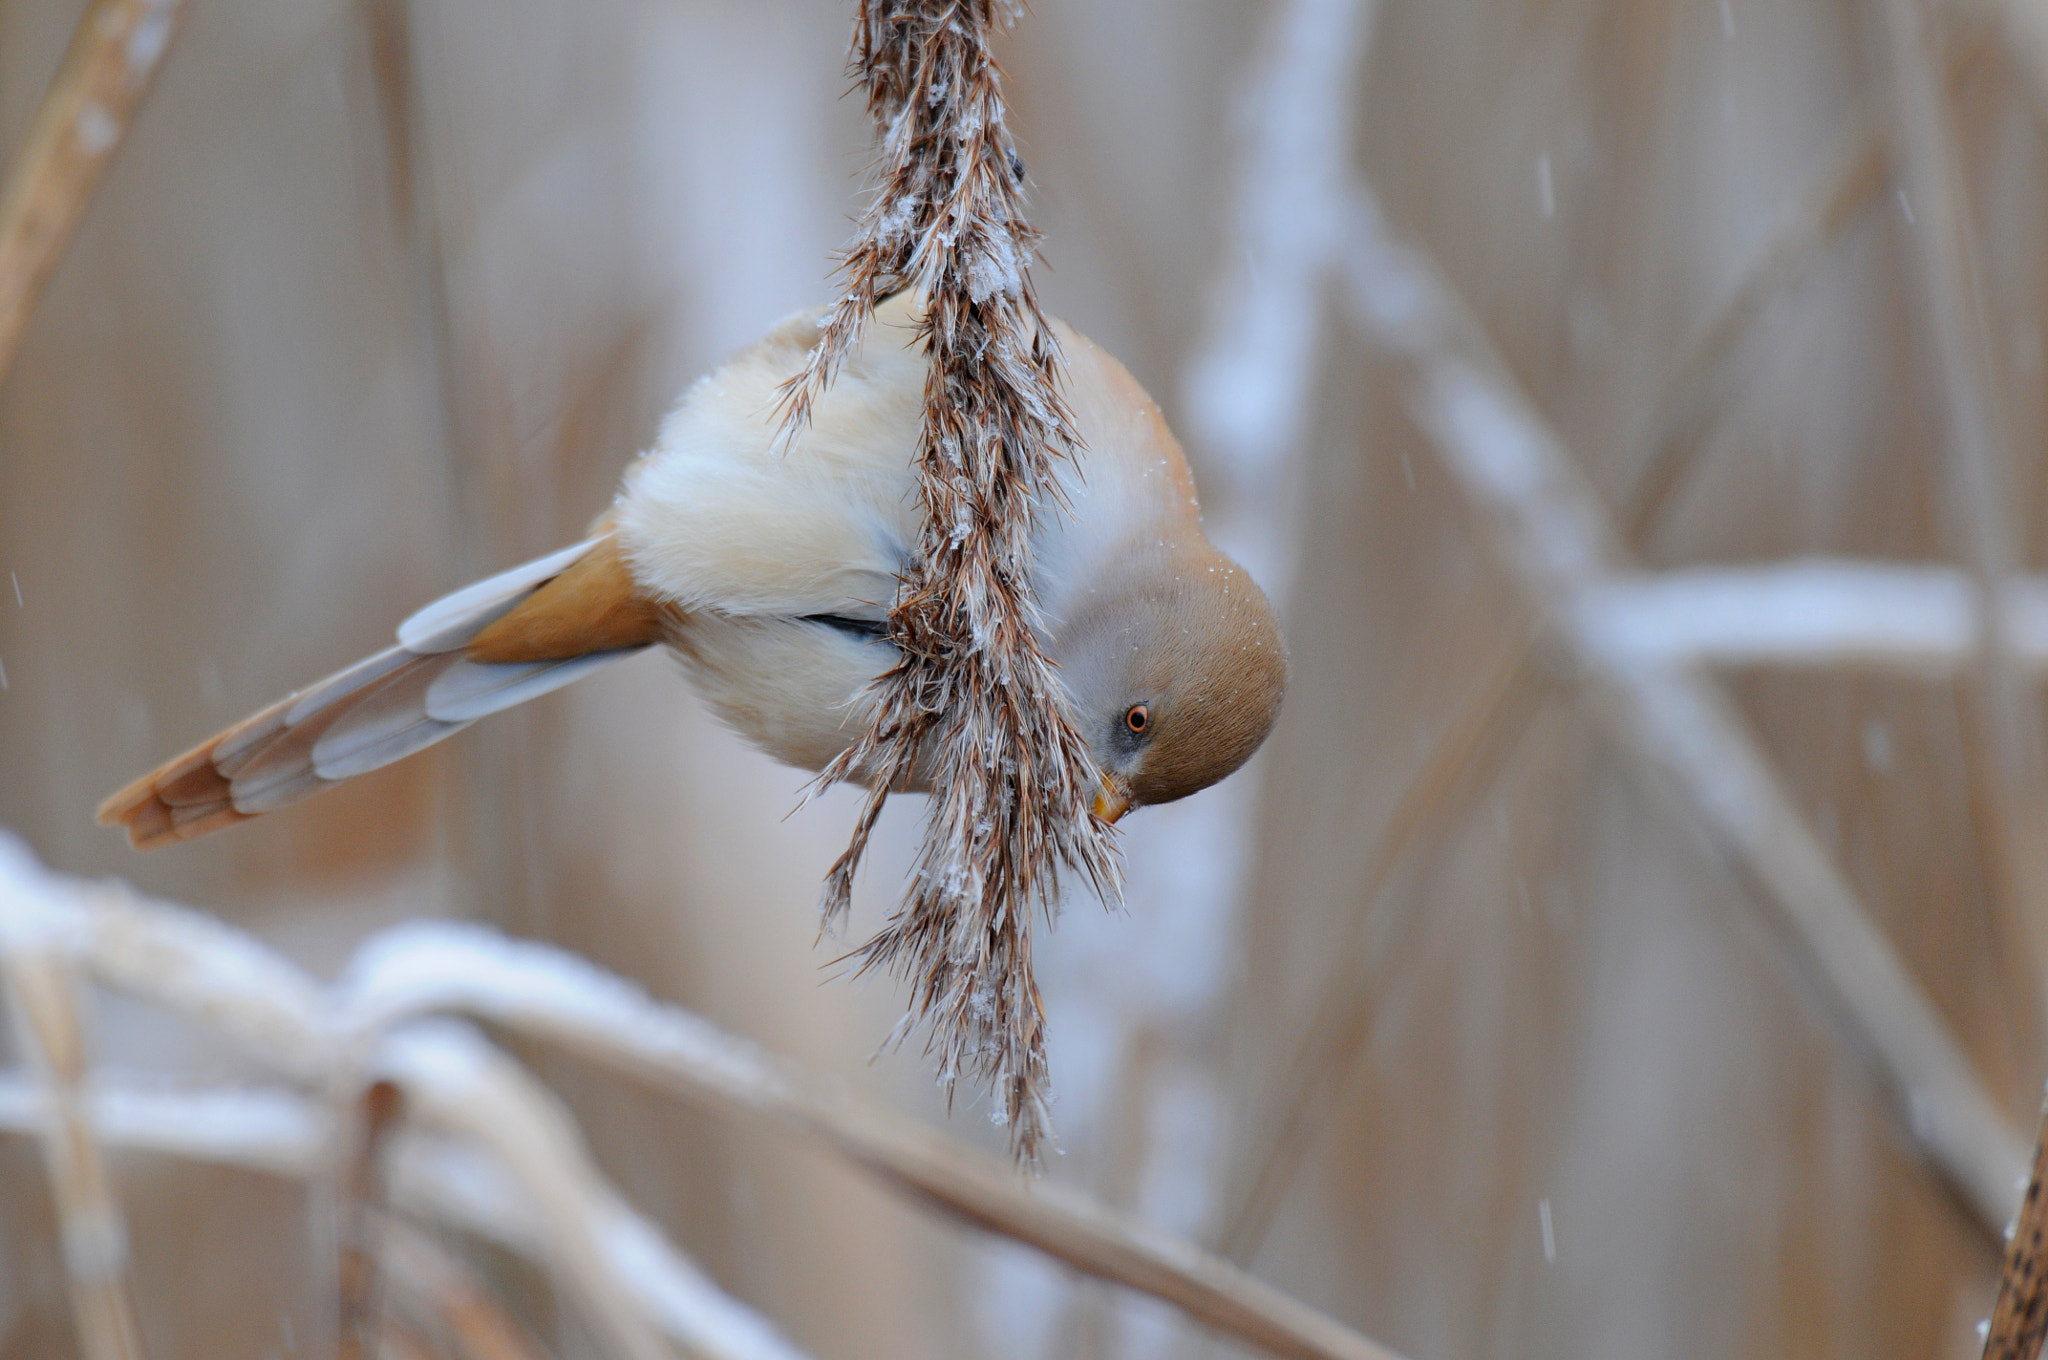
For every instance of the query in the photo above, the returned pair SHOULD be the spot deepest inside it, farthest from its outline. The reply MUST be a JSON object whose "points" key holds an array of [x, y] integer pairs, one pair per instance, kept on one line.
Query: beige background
{"points": [[343, 331]]}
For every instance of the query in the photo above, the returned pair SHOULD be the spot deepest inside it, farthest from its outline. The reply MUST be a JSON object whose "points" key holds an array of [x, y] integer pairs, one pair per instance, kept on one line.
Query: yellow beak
{"points": [[1112, 800]]}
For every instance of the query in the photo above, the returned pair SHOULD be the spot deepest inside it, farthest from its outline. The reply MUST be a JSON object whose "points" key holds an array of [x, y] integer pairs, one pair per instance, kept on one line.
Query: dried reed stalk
{"points": [[1854, 174], [2019, 1320], [547, 994], [114, 57], [2002, 708], [48, 1010], [972, 704], [202, 968], [1936, 637], [1693, 392], [1456, 772], [456, 1081], [448, 1297], [1553, 534], [370, 1120], [1252, 385], [2023, 32], [439, 1176]]}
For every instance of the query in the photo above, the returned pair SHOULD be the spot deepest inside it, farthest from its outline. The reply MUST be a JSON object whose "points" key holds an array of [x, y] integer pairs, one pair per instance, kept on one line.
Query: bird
{"points": [[767, 560]]}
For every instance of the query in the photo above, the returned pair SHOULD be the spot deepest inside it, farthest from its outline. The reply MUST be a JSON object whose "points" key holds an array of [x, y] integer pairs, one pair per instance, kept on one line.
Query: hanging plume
{"points": [[973, 697]]}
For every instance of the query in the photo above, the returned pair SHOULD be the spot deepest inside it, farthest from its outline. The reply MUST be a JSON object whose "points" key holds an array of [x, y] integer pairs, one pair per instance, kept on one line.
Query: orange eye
{"points": [[1139, 719]]}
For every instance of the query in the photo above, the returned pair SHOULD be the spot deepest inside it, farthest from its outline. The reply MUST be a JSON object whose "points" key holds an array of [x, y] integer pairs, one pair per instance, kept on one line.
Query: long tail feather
{"points": [[390, 705]]}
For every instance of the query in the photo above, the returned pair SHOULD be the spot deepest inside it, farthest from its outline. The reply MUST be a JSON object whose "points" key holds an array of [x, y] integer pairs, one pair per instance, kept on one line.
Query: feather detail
{"points": [[387, 706], [594, 605], [450, 622], [467, 690]]}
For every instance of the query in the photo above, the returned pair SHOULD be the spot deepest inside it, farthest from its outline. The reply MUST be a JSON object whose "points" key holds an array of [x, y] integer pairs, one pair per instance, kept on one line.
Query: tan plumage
{"points": [[770, 570], [593, 606]]}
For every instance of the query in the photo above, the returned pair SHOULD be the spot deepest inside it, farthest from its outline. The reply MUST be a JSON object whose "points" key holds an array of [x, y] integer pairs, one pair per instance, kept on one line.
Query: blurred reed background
{"points": [[1449, 1015]]}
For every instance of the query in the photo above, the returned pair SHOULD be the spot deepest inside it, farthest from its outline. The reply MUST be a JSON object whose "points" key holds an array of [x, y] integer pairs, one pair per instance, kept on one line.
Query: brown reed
{"points": [[973, 703]]}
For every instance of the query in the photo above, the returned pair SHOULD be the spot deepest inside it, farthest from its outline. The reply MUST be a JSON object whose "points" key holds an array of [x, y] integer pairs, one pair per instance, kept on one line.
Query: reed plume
{"points": [[973, 699]]}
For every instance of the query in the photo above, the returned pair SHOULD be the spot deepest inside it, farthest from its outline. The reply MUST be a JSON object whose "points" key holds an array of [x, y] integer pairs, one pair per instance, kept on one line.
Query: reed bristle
{"points": [[973, 700]]}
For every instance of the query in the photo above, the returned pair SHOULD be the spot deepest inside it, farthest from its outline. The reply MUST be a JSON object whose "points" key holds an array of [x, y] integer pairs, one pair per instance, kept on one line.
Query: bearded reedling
{"points": [[769, 567]]}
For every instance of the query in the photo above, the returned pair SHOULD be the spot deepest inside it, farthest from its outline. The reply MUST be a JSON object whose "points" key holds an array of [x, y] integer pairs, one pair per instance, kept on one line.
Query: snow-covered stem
{"points": [[973, 703], [269, 1129], [439, 1176], [544, 993], [82, 122], [1251, 385], [1250, 390], [457, 1082], [1551, 531], [628, 1279], [48, 1010], [1926, 621], [382, 1018]]}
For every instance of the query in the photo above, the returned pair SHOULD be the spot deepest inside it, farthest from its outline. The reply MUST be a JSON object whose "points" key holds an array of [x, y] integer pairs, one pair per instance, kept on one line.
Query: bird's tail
{"points": [[489, 646]]}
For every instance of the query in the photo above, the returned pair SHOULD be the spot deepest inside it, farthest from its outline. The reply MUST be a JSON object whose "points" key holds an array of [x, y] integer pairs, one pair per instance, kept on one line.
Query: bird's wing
{"points": [[724, 515], [486, 647]]}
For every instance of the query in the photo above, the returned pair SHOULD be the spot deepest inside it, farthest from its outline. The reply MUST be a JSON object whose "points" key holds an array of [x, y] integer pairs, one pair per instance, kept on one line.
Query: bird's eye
{"points": [[1138, 719]]}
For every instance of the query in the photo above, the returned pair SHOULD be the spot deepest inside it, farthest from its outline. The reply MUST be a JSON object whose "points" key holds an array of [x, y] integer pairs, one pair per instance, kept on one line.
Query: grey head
{"points": [[1175, 669]]}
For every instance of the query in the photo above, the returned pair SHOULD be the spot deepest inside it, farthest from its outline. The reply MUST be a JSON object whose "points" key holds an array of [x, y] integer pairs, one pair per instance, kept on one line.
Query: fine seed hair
{"points": [[972, 702]]}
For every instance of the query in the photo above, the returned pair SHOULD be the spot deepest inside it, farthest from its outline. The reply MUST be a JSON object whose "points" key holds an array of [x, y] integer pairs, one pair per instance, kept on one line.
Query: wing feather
{"points": [[467, 691], [450, 622]]}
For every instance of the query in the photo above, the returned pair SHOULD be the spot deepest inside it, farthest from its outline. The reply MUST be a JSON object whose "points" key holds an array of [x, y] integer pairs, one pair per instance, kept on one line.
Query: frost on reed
{"points": [[973, 704]]}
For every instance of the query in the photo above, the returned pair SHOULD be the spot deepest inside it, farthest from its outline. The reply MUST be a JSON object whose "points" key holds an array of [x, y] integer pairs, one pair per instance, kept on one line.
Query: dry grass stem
{"points": [[455, 1081], [2019, 1320], [1457, 770], [434, 1175], [1555, 537], [2023, 33], [631, 1282], [1684, 410], [370, 1119], [2002, 714], [83, 119], [47, 1006], [448, 1299], [547, 994], [455, 1084], [973, 703]]}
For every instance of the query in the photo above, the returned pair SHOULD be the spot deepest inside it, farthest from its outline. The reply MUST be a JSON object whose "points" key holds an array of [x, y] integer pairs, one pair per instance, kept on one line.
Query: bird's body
{"points": [[769, 566]]}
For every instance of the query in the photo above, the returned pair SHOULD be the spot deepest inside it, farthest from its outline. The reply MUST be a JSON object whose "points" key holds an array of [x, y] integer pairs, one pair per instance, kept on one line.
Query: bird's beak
{"points": [[1112, 800]]}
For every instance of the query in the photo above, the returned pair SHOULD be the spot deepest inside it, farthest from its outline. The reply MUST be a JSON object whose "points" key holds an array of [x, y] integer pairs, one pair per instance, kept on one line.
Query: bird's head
{"points": [[1175, 668]]}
